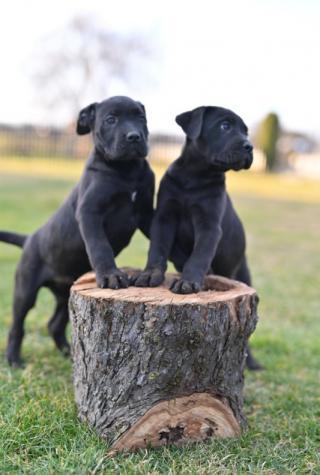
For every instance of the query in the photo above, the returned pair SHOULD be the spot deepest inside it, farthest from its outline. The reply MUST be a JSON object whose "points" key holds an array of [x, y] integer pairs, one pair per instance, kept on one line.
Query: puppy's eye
{"points": [[225, 125], [110, 119]]}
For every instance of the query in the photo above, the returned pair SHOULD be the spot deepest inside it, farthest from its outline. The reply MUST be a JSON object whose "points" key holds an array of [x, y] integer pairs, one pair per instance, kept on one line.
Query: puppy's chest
{"points": [[121, 216], [192, 209], [129, 193], [189, 204], [184, 217], [122, 201], [185, 231]]}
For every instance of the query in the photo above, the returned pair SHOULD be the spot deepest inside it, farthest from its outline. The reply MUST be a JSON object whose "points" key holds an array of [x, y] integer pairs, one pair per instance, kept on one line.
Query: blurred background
{"points": [[259, 58]]}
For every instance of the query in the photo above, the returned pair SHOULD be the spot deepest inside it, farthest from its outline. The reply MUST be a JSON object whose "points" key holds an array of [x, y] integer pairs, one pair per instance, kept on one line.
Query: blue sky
{"points": [[252, 56]]}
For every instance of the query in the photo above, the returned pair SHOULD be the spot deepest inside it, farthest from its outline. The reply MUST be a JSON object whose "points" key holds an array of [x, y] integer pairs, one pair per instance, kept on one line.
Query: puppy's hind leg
{"points": [[25, 294], [243, 275], [58, 322]]}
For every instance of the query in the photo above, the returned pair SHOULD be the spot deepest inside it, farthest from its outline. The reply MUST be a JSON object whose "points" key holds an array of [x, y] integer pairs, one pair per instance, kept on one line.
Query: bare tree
{"points": [[78, 63]]}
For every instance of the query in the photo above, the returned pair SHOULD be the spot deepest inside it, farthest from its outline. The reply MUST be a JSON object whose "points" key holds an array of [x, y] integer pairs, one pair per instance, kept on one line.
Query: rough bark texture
{"points": [[153, 367]]}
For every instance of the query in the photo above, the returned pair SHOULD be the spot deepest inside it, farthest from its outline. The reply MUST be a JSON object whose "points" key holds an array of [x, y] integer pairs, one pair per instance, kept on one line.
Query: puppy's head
{"points": [[219, 136], [118, 126]]}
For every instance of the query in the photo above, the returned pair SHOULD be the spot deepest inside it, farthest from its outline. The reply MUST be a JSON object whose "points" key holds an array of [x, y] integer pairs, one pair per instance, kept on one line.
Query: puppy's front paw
{"points": [[182, 286], [113, 279], [148, 278]]}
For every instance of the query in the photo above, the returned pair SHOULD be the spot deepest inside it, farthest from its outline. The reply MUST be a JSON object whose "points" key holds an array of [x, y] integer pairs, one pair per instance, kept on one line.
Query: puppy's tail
{"points": [[13, 238]]}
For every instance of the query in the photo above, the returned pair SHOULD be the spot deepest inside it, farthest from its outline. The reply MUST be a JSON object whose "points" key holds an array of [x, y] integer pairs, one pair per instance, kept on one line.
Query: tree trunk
{"points": [[151, 367]]}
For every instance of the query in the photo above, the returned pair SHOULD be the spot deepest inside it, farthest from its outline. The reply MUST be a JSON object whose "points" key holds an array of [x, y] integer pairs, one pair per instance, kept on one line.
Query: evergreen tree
{"points": [[267, 137]]}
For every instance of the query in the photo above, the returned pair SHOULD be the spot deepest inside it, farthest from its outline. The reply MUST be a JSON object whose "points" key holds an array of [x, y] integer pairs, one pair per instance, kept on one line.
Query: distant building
{"points": [[299, 154]]}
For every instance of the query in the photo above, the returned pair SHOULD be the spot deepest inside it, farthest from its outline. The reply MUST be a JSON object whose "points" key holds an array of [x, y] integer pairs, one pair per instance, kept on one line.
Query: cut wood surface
{"points": [[152, 368]]}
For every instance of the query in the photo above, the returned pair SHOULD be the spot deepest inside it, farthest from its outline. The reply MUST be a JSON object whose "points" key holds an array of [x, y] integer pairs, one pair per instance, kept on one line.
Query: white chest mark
{"points": [[133, 196]]}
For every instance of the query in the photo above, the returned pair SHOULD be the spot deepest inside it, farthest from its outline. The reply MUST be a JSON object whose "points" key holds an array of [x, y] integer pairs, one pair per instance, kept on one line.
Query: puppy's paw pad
{"points": [[156, 278], [139, 279], [148, 278], [65, 350], [254, 365], [16, 363], [181, 286], [113, 280]]}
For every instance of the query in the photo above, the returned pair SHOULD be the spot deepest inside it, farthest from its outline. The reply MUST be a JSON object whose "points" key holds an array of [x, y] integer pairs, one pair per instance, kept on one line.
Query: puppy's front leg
{"points": [[208, 233], [145, 197], [163, 231], [98, 248]]}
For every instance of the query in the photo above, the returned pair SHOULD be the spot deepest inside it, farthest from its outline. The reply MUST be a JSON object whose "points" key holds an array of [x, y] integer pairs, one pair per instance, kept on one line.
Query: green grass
{"points": [[39, 430]]}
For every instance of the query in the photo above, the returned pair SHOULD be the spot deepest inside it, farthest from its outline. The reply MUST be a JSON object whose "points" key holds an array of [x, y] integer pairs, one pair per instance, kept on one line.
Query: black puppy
{"points": [[195, 224], [113, 198]]}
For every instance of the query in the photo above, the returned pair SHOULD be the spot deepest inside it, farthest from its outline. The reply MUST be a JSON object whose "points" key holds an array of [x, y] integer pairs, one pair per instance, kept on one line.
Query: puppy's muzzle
{"points": [[133, 137], [133, 145], [248, 147], [244, 157], [134, 142]]}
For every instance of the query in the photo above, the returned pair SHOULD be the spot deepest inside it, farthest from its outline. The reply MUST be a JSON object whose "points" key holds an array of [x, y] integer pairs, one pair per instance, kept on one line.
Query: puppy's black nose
{"points": [[247, 146], [133, 137]]}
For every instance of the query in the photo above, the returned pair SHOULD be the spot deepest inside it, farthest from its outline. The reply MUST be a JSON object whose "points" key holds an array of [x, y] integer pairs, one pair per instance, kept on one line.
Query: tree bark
{"points": [[151, 367]]}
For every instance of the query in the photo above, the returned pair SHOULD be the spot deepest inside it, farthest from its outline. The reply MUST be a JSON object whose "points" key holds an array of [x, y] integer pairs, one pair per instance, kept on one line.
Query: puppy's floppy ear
{"points": [[142, 106], [191, 122], [86, 119]]}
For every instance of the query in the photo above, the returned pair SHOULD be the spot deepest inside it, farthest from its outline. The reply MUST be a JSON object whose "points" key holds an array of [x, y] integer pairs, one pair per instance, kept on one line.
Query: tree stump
{"points": [[151, 367]]}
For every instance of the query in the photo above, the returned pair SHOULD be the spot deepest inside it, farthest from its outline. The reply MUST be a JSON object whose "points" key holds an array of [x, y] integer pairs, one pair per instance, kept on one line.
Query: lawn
{"points": [[39, 430]]}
